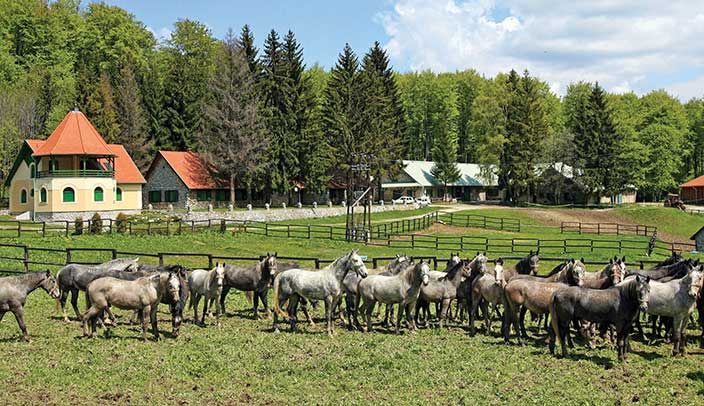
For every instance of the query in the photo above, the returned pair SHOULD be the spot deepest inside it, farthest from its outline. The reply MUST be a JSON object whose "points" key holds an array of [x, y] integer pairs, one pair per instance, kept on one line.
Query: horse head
{"points": [[642, 286], [454, 260], [220, 274], [355, 262], [50, 286], [499, 273], [616, 270], [479, 262], [174, 285], [533, 263], [696, 279], [270, 262], [576, 270], [424, 269]]}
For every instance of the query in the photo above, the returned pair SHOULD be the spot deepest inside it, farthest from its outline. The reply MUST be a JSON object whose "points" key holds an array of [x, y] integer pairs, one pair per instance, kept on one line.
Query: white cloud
{"points": [[624, 44], [163, 34], [688, 89]]}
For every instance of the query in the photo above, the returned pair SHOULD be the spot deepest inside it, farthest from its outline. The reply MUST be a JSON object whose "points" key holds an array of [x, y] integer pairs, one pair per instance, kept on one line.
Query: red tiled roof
{"points": [[191, 168], [75, 135], [35, 144], [696, 182], [125, 169]]}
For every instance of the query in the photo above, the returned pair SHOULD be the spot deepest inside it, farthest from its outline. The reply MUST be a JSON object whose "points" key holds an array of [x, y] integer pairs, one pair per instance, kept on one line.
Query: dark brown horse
{"points": [[618, 305], [257, 279]]}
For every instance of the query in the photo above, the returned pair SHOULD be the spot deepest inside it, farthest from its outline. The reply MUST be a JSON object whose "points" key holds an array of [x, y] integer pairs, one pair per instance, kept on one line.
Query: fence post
{"points": [[223, 226], [19, 229], [43, 228], [317, 263], [580, 228], [129, 226], [266, 230], [288, 230], [67, 228], [309, 231], [413, 240], [374, 263], [114, 253], [641, 265], [26, 258], [564, 246], [519, 225], [168, 224], [161, 259], [149, 228], [193, 226], [210, 261], [461, 243], [68, 256], [591, 245], [598, 228], [513, 244], [330, 228], [502, 223]]}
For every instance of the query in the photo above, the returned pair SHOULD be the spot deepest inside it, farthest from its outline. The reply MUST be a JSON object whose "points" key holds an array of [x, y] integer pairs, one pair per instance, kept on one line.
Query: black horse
{"points": [[618, 305]]}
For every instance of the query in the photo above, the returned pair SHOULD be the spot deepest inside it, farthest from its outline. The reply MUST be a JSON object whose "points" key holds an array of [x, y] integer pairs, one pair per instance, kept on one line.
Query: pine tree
{"points": [[133, 126], [279, 117], [246, 42], [102, 112], [151, 86], [234, 141], [445, 156]]}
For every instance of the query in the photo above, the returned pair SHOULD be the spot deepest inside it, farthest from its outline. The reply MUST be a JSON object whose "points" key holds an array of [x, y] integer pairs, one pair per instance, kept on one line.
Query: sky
{"points": [[626, 45]]}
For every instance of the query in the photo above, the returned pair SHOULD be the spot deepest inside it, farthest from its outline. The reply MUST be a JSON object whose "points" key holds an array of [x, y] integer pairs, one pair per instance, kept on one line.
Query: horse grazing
{"points": [[352, 280], [293, 285], [15, 289], [75, 277], [142, 294], [676, 299], [618, 305], [256, 279], [442, 286], [207, 285], [523, 293], [487, 288], [402, 289]]}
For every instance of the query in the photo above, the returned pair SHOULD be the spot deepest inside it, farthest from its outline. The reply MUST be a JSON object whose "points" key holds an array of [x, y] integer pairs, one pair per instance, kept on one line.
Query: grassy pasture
{"points": [[243, 362]]}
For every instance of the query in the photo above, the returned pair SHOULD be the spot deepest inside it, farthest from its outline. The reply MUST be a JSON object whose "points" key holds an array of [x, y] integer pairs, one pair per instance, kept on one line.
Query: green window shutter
{"points": [[42, 195], [23, 196], [155, 196], [69, 195], [222, 195], [203, 195], [98, 194], [118, 194], [171, 196]]}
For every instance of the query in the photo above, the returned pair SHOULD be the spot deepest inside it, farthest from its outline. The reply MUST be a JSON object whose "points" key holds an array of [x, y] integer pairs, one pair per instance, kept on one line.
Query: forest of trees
{"points": [[265, 118]]}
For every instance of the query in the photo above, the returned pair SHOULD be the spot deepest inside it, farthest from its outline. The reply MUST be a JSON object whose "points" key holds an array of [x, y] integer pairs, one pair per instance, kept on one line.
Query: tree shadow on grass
{"points": [[607, 363], [647, 355], [699, 377]]}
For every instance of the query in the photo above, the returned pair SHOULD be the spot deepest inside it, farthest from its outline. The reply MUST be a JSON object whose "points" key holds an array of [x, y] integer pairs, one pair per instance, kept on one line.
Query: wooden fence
{"points": [[607, 228], [28, 256], [479, 221]]}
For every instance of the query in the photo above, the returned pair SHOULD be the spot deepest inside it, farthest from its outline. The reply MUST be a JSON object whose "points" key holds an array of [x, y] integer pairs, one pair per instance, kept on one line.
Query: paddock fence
{"points": [[33, 258], [479, 221], [607, 228]]}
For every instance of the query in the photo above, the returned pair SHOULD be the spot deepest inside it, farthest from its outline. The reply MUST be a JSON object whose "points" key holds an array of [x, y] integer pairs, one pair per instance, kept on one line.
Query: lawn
{"points": [[244, 362]]}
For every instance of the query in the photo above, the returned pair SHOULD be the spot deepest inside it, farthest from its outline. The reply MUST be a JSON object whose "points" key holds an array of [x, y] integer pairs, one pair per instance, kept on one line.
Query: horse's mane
{"points": [[27, 276], [557, 269], [452, 272]]}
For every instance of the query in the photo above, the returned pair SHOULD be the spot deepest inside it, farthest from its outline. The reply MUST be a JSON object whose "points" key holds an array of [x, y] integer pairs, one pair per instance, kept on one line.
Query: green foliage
{"points": [[445, 169], [78, 226], [96, 224], [121, 223]]}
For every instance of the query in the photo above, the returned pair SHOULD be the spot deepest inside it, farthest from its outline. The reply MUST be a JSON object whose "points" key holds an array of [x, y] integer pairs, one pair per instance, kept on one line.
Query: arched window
{"points": [[23, 196], [69, 195], [32, 171], [118, 194], [31, 193], [42, 195], [98, 194]]}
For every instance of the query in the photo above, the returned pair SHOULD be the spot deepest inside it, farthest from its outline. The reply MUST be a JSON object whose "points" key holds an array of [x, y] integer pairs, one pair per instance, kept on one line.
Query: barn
{"points": [[693, 191]]}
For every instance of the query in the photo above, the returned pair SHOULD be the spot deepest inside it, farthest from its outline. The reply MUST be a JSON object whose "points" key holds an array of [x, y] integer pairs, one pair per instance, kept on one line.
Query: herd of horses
{"points": [[567, 301]]}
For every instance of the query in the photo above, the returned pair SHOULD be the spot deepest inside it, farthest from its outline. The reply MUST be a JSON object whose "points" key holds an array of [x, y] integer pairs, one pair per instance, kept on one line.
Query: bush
{"points": [[121, 223], [78, 226], [96, 224]]}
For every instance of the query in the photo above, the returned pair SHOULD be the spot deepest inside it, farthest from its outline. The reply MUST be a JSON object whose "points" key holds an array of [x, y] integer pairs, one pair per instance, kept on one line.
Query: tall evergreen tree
{"points": [[246, 42], [445, 156], [133, 126], [102, 111], [278, 112], [234, 141]]}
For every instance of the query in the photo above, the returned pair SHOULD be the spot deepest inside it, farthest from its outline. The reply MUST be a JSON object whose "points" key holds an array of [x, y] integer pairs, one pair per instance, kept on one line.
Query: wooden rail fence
{"points": [[607, 228]]}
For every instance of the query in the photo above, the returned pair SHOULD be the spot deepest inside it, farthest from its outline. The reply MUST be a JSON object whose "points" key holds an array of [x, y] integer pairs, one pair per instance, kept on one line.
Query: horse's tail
{"points": [[277, 307], [250, 296], [554, 321]]}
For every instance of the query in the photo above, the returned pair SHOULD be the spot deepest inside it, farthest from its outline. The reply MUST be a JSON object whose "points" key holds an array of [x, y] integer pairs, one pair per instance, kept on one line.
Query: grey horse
{"points": [[402, 289], [256, 279], [15, 289], [295, 284], [75, 277]]}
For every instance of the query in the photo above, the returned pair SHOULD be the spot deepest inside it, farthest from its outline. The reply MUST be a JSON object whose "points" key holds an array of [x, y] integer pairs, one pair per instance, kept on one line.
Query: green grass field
{"points": [[243, 362]]}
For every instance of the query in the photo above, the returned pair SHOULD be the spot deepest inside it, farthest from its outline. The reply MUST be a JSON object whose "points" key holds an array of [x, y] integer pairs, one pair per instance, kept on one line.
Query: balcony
{"points": [[76, 173]]}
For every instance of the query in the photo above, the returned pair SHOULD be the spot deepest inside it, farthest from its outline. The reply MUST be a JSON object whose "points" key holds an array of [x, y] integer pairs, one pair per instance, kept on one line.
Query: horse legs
{"points": [[473, 313], [368, 309], [522, 321], [255, 304], [19, 316], [409, 318], [351, 311], [401, 309], [74, 302], [445, 306], [281, 300], [195, 299], [292, 310], [154, 321], [304, 307], [263, 295], [90, 316], [223, 295], [389, 314], [487, 320], [330, 303], [218, 309], [62, 301], [143, 322]]}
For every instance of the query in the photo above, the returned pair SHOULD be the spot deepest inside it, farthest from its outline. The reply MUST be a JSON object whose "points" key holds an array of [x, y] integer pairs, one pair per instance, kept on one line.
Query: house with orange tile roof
{"points": [[693, 191], [73, 173], [183, 178]]}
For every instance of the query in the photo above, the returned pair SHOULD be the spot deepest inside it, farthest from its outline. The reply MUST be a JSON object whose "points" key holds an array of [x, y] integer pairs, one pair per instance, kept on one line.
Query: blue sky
{"points": [[626, 45]]}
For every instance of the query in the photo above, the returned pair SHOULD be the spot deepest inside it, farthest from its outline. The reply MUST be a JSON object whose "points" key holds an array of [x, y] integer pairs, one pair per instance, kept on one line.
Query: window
{"points": [[53, 165], [23, 196], [222, 195], [171, 196], [69, 195], [32, 171], [118, 194], [42, 195], [98, 194], [203, 195], [31, 193], [154, 196]]}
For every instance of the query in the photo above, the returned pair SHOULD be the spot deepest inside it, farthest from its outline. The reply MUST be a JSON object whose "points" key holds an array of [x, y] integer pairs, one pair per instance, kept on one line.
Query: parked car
{"points": [[423, 201], [404, 200]]}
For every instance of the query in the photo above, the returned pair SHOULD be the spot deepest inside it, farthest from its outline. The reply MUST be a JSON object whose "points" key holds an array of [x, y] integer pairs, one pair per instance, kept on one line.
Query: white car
{"points": [[423, 201], [404, 200]]}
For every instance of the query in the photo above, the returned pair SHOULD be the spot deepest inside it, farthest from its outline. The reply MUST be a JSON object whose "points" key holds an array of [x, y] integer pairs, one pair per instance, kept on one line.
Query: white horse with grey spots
{"points": [[207, 285]]}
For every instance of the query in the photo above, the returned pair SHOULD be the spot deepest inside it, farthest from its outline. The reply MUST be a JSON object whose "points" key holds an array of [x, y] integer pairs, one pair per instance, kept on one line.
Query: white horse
{"points": [[208, 285], [676, 299], [293, 284]]}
